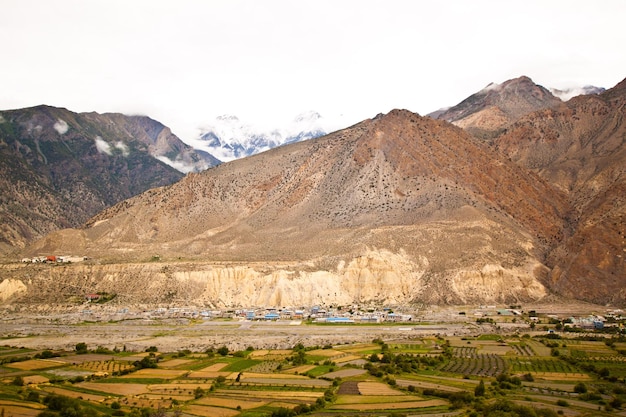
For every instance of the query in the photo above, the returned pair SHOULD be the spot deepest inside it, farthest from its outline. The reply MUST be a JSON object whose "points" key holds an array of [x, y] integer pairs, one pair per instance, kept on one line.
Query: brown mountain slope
{"points": [[581, 149], [399, 208], [487, 112]]}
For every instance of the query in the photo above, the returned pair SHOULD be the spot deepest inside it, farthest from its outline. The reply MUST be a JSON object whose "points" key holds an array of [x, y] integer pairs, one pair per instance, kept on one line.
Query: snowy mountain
{"points": [[228, 138], [567, 93]]}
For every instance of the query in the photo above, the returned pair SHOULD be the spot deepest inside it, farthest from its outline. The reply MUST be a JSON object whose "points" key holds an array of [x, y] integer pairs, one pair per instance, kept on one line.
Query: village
{"points": [[511, 317]]}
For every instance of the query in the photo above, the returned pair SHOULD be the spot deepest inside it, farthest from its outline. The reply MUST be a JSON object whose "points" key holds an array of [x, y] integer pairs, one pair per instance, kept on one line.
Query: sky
{"points": [[185, 62]]}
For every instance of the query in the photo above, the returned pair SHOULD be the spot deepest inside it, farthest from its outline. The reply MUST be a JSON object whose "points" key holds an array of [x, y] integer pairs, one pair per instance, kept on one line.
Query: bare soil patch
{"points": [[34, 364], [118, 389], [377, 388], [209, 411]]}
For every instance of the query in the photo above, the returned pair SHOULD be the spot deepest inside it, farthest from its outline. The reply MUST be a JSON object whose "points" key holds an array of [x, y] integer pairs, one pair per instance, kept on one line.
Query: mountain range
{"points": [[59, 168], [510, 196]]}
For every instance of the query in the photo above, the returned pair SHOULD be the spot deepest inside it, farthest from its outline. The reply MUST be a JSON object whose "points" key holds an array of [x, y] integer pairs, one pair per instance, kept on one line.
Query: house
{"points": [[92, 297], [272, 316]]}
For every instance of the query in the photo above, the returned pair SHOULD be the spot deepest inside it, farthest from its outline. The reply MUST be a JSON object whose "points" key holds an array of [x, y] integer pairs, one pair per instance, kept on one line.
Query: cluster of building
{"points": [[317, 314], [53, 259]]}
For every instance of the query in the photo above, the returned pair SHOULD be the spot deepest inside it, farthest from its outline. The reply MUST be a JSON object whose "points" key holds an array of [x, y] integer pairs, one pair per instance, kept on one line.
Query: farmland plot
{"points": [[109, 366], [540, 365], [232, 402], [35, 364], [18, 409], [156, 373], [476, 364], [209, 411], [116, 389]]}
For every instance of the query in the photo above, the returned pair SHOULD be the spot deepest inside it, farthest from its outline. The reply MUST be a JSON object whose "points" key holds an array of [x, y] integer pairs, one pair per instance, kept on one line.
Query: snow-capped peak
{"points": [[229, 138], [570, 92]]}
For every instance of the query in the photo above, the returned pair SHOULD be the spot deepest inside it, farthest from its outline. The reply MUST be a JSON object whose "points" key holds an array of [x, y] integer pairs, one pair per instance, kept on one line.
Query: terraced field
{"points": [[427, 375]]}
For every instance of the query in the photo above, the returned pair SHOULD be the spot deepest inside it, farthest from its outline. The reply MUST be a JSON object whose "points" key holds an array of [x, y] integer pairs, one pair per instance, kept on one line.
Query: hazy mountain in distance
{"points": [[567, 93], [229, 138]]}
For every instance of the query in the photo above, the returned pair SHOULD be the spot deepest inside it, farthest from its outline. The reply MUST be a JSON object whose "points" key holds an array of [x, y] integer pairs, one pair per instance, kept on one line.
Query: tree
{"points": [[18, 381], [198, 393], [81, 348], [580, 388], [223, 351], [479, 391]]}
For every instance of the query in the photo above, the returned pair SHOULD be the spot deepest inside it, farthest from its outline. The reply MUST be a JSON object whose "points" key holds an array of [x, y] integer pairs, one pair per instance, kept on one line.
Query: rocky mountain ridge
{"points": [[580, 148], [59, 168], [489, 111]]}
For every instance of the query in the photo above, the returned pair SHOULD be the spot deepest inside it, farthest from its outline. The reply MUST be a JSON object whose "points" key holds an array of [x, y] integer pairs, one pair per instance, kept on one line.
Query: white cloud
{"points": [[61, 127], [103, 146], [123, 147], [177, 165]]}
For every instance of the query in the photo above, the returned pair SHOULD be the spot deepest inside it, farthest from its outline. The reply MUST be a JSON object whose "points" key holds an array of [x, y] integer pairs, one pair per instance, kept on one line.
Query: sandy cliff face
{"points": [[376, 277]]}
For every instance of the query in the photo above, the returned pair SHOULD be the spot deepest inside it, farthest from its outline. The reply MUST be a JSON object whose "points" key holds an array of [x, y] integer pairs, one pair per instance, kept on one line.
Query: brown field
{"points": [[4, 403], [297, 395], [75, 394], [18, 411], [87, 357], [560, 376], [377, 388], [375, 399], [329, 353], [156, 373], [230, 402], [146, 402], [299, 369], [390, 406], [345, 373], [278, 353], [35, 379], [248, 375], [283, 404], [208, 411], [495, 349], [360, 348], [215, 367], [424, 384], [189, 387], [156, 396], [172, 363], [34, 364], [346, 358], [209, 374], [105, 366], [307, 382], [117, 389]]}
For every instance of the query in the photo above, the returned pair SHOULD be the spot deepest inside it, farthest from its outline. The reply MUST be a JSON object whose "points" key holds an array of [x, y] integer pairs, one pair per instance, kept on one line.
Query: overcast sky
{"points": [[185, 62]]}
